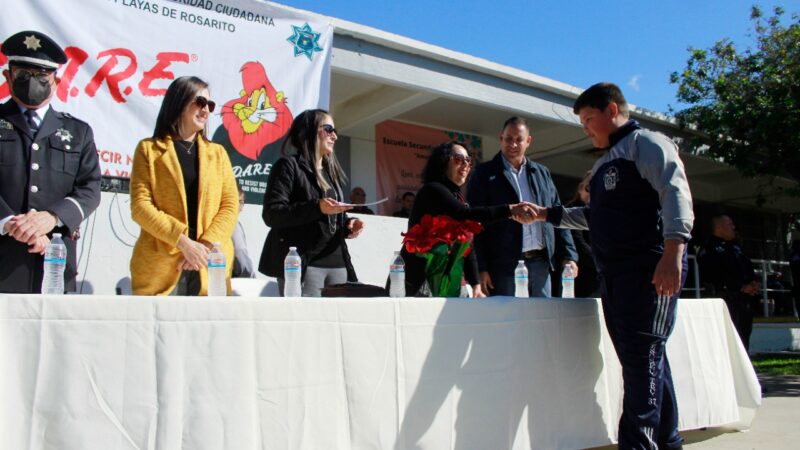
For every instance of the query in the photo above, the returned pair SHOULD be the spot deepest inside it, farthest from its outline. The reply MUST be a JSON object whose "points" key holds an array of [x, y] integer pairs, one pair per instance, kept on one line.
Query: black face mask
{"points": [[31, 91]]}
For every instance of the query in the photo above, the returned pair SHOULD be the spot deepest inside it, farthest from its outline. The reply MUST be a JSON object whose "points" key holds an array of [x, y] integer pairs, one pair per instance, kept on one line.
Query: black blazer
{"points": [[588, 282], [57, 171], [291, 210], [500, 245], [442, 198]]}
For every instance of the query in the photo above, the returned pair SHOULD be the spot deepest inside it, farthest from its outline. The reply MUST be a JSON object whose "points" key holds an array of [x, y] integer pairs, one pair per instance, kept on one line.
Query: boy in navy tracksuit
{"points": [[639, 220]]}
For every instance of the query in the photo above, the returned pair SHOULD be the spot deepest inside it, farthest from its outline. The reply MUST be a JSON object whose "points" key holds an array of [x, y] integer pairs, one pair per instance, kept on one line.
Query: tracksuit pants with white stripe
{"points": [[639, 323]]}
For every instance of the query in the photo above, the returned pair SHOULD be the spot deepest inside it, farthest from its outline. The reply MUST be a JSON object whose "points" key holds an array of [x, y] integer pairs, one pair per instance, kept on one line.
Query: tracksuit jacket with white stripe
{"points": [[639, 197]]}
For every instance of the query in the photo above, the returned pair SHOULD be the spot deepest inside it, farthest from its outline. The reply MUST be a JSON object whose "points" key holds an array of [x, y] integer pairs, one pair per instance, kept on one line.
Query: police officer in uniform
{"points": [[49, 170], [724, 266]]}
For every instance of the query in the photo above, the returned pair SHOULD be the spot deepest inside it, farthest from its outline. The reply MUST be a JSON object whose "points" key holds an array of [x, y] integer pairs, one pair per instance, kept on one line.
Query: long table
{"points": [[114, 372]]}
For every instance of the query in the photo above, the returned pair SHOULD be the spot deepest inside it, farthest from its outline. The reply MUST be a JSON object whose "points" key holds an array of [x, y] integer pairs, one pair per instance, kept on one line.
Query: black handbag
{"points": [[354, 290]]}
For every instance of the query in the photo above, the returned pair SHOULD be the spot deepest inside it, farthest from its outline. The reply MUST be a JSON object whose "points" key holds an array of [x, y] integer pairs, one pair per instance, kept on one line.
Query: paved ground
{"points": [[775, 427]]}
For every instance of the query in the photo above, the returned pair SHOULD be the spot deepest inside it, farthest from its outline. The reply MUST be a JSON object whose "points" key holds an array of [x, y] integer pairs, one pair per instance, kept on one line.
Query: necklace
{"points": [[332, 192], [333, 219], [187, 148]]}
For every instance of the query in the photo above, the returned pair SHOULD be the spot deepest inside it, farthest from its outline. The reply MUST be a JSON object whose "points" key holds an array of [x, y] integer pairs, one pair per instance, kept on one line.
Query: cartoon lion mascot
{"points": [[259, 117]]}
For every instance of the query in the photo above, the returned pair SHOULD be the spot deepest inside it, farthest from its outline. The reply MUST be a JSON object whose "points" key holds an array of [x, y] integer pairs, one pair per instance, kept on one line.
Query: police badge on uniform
{"points": [[64, 134], [5, 125], [610, 178]]}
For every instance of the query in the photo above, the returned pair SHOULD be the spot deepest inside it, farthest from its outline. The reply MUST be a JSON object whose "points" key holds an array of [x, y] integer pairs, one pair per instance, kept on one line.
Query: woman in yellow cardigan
{"points": [[183, 195]]}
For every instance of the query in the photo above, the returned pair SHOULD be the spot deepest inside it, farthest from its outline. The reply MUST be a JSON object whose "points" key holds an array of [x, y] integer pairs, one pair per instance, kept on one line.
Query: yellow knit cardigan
{"points": [[158, 205]]}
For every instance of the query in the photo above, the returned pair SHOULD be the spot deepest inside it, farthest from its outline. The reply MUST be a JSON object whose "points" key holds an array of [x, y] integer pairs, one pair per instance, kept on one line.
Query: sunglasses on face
{"points": [[328, 128], [462, 159], [202, 102], [25, 74]]}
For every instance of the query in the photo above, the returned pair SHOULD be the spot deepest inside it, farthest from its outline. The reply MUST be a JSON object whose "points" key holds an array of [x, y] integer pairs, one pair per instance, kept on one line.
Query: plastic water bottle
{"points": [[217, 286], [465, 291], [292, 273], [397, 276], [521, 280], [568, 282], [55, 260]]}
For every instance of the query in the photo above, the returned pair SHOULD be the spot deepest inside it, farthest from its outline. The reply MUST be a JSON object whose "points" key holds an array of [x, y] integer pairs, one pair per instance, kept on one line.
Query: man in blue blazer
{"points": [[511, 177]]}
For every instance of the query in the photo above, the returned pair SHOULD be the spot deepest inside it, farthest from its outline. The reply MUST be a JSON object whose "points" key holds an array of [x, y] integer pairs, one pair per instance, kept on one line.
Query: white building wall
{"points": [[362, 167]]}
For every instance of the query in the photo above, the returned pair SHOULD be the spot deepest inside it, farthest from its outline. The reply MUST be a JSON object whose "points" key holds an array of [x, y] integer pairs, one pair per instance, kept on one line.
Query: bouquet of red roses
{"points": [[443, 242]]}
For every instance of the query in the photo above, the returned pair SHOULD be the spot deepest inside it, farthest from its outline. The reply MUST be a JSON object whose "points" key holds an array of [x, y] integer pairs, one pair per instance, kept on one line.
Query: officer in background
{"points": [[724, 266], [49, 170]]}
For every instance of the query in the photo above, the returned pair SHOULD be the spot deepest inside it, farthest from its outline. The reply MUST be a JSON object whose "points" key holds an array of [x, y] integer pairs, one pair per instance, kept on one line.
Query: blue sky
{"points": [[636, 44]]}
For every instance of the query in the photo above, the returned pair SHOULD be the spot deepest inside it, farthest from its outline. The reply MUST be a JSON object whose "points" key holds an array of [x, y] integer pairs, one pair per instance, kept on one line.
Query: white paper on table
{"points": [[385, 199]]}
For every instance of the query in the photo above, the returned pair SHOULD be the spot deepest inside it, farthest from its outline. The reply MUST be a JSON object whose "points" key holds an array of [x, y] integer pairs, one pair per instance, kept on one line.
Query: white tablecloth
{"points": [[114, 373]]}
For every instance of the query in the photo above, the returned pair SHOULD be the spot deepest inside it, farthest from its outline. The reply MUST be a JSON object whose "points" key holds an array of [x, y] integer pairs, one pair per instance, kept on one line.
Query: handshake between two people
{"points": [[526, 212]]}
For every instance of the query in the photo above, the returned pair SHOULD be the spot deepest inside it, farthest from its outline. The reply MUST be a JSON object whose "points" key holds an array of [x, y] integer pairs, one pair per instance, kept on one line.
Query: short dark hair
{"points": [[716, 220], [436, 167], [719, 216], [180, 93], [408, 194], [599, 96], [516, 120]]}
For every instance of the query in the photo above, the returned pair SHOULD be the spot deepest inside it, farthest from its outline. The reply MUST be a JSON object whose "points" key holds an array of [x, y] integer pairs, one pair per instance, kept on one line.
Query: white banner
{"points": [[264, 65]]}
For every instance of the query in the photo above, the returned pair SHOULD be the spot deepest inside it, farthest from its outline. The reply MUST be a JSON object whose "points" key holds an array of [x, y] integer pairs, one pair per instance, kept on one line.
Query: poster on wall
{"points": [[263, 64], [401, 150]]}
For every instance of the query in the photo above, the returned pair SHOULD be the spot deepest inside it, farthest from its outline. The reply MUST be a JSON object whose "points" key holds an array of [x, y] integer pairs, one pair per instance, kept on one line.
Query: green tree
{"points": [[746, 105]]}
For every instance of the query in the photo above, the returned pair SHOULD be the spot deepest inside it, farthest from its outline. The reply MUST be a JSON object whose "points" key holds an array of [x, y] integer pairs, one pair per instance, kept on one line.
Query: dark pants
{"points": [[639, 323], [740, 307], [188, 284], [538, 279], [317, 278]]}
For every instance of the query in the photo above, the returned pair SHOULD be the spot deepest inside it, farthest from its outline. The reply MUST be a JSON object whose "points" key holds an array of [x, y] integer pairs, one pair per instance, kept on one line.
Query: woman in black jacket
{"points": [[445, 173], [303, 207], [587, 285]]}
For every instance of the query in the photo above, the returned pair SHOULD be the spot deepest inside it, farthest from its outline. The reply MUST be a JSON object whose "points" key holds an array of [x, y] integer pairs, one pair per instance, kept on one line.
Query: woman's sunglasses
{"points": [[328, 128], [202, 102], [462, 159]]}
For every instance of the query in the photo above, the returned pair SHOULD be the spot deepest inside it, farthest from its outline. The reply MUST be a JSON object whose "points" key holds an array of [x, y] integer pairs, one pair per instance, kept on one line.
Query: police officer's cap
{"points": [[34, 48]]}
